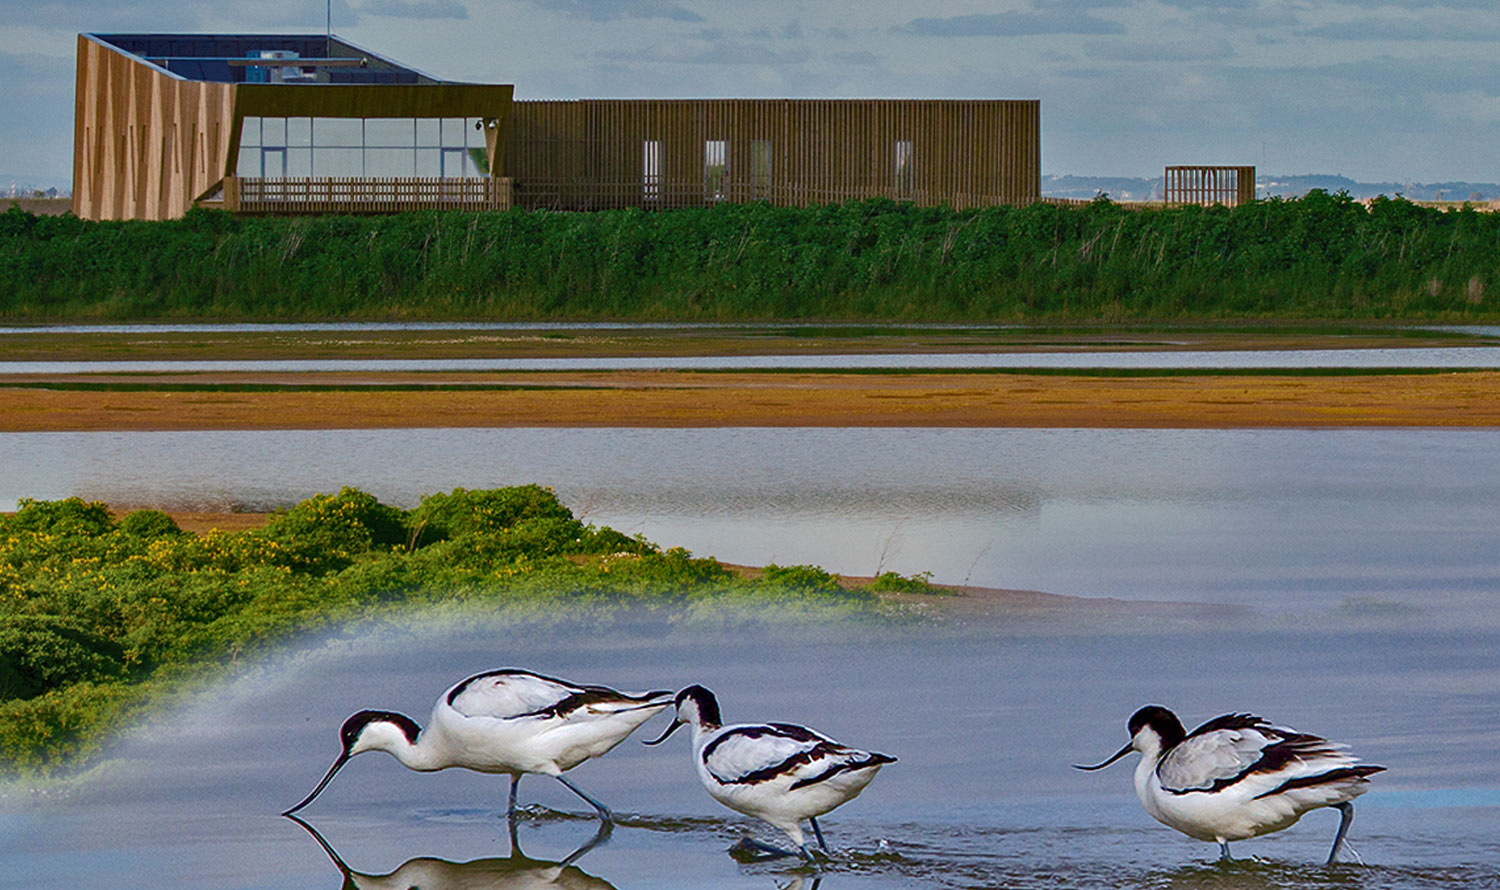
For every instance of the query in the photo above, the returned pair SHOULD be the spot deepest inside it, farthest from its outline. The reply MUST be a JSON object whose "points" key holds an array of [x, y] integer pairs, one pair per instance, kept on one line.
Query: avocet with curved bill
{"points": [[506, 721], [779, 772], [1238, 777]]}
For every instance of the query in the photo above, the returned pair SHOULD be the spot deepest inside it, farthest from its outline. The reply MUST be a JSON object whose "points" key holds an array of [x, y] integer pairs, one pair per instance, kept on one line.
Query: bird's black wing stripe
{"points": [[579, 696], [1336, 775], [1230, 721], [761, 730], [588, 696], [503, 672], [872, 760], [1289, 748]]}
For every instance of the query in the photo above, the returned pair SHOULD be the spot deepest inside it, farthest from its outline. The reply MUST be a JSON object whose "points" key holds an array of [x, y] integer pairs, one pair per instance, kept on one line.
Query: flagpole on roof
{"points": [[328, 47]]}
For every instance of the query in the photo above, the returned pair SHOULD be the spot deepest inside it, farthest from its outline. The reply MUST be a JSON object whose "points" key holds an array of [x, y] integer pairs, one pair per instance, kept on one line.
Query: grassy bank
{"points": [[101, 616], [1321, 256]]}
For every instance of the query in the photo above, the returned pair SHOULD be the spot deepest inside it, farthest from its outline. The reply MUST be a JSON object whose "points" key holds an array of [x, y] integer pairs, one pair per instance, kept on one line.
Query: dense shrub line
{"points": [[95, 611], [1319, 256]]}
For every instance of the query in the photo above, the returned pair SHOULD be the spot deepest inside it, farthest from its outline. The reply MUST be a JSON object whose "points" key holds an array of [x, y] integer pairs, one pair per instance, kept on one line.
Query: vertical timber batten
{"points": [[587, 154]]}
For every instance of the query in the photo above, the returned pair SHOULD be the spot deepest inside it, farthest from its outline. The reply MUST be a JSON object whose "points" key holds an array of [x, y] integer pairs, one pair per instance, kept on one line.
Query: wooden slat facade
{"points": [[602, 153], [145, 143], [1229, 186], [148, 144]]}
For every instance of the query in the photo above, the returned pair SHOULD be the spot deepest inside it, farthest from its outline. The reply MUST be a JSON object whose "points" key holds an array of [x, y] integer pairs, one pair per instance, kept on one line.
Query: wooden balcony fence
{"points": [[305, 195], [1209, 185]]}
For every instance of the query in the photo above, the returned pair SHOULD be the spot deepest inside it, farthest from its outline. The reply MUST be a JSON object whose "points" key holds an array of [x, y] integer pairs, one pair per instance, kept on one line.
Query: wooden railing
{"points": [[303, 195]]}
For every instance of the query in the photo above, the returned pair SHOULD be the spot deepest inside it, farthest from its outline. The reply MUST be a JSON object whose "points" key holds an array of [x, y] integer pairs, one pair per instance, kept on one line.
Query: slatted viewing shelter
{"points": [[601, 153], [1229, 186]]}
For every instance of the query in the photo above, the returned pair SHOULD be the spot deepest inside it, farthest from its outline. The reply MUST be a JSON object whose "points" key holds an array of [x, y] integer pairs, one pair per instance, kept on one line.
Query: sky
{"points": [[1371, 89]]}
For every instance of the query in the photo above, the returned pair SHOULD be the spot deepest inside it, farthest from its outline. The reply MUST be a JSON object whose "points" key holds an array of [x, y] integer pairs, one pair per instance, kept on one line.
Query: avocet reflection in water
{"points": [[986, 722]]}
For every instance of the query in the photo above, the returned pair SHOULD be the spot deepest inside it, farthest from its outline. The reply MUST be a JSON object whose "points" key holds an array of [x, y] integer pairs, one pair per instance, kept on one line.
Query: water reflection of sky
{"points": [[1281, 520], [1417, 357]]}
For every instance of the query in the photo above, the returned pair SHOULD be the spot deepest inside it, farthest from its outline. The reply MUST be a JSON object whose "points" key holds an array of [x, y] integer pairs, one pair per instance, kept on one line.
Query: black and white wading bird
{"points": [[1238, 777], [779, 772], [507, 721]]}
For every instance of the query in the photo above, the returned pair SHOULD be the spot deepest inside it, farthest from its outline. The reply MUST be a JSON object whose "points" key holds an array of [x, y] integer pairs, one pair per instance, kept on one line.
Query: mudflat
{"points": [[235, 401]]}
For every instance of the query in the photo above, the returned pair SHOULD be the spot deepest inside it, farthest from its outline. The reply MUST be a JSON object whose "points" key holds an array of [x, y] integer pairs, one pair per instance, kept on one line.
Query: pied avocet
{"points": [[1238, 777], [779, 772], [506, 721]]}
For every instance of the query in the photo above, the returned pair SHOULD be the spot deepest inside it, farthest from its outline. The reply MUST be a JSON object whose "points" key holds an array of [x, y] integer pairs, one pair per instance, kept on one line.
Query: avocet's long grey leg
{"points": [[1224, 852], [604, 812], [764, 847], [818, 831], [510, 811], [1346, 817]]}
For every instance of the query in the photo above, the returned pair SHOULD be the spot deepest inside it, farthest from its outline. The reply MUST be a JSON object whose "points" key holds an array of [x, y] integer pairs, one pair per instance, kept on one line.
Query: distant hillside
{"points": [[1125, 188]]}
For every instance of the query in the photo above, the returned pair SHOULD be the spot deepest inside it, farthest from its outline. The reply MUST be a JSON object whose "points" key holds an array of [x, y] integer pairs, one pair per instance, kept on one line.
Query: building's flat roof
{"points": [[233, 58]]}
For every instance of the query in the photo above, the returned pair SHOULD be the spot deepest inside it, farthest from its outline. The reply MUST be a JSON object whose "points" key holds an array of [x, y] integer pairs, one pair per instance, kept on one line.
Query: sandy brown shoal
{"points": [[694, 399]]}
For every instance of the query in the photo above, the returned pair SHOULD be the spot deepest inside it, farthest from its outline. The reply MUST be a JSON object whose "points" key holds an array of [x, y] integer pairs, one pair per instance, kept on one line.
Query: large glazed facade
{"points": [[312, 124], [275, 124], [595, 153]]}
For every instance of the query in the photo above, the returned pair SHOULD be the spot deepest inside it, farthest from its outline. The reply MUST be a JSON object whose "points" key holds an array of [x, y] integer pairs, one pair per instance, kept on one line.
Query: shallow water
{"points": [[1370, 558], [1454, 357], [985, 724], [1402, 523]]}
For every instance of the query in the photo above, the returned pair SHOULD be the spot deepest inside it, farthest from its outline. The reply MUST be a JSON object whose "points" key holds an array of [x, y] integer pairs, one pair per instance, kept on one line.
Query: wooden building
{"points": [[292, 124], [598, 153], [274, 124]]}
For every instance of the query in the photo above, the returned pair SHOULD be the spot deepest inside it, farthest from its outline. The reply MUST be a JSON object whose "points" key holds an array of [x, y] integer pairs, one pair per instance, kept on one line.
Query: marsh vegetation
{"points": [[1321, 256], [100, 616]]}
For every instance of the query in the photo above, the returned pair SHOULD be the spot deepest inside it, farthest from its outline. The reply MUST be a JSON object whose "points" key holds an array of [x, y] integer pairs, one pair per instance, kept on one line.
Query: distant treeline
{"points": [[1320, 256]]}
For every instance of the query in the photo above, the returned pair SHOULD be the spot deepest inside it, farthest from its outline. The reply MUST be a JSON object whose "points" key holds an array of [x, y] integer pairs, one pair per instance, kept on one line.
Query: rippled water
{"points": [[985, 723]]}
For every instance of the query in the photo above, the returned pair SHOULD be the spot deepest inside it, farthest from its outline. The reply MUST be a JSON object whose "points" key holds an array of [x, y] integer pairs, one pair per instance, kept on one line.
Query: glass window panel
{"points": [[390, 132], [299, 162], [454, 135], [429, 133], [337, 162], [273, 131], [474, 132], [714, 169], [273, 163], [299, 131], [249, 163], [338, 132], [651, 169], [904, 173], [390, 162], [429, 162], [250, 132]]}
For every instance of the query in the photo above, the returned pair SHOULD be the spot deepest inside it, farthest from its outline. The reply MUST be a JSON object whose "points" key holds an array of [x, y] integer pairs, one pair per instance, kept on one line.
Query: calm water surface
{"points": [[1419, 357], [1282, 521]]}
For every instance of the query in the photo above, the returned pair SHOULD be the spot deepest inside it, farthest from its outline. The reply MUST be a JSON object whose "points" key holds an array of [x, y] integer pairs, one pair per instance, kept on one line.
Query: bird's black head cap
{"points": [[708, 705], [349, 732], [1163, 721]]}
